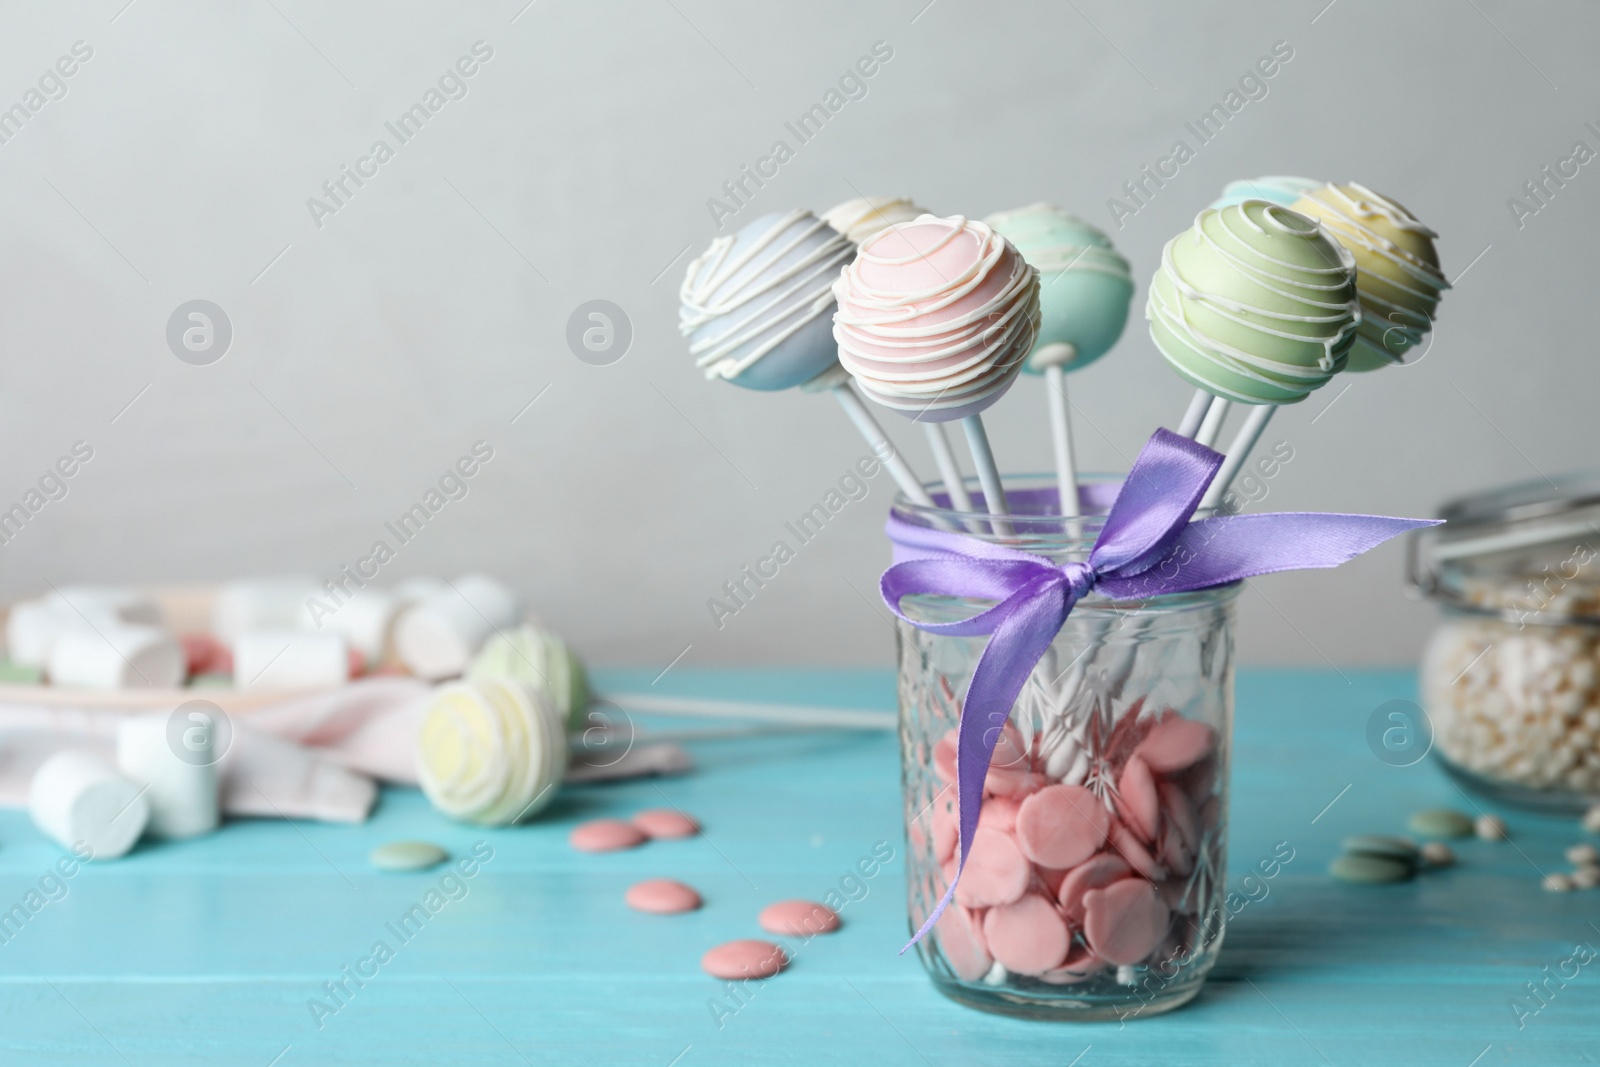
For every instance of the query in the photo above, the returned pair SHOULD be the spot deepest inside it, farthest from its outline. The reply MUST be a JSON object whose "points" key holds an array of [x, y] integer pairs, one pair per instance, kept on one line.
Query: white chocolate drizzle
{"points": [[771, 302], [1336, 319], [938, 361], [1423, 281]]}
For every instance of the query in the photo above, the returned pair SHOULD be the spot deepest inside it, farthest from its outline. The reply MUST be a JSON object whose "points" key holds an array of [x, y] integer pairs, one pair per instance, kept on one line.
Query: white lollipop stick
{"points": [[1238, 452], [994, 494], [1054, 358], [1211, 426], [1199, 404], [881, 447], [949, 472]]}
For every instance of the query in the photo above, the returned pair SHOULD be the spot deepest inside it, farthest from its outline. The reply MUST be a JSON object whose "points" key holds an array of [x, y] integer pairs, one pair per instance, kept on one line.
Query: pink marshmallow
{"points": [[1027, 936], [1125, 921], [1062, 825]]}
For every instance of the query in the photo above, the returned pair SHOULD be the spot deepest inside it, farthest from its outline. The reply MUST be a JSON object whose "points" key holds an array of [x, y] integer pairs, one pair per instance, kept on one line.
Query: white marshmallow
{"points": [[126, 605], [290, 659], [438, 637], [76, 798], [34, 626], [261, 604], [364, 621], [416, 590], [116, 656], [182, 780]]}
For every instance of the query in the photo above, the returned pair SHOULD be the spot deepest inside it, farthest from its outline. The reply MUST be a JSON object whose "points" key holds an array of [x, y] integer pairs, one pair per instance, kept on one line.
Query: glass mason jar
{"points": [[1511, 677], [1096, 881]]}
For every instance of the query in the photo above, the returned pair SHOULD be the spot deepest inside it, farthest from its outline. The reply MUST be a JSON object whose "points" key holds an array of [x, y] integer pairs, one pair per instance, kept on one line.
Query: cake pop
{"points": [[1281, 189], [1085, 288], [1397, 269], [867, 216], [755, 309], [1203, 421], [934, 321], [1254, 303], [861, 220]]}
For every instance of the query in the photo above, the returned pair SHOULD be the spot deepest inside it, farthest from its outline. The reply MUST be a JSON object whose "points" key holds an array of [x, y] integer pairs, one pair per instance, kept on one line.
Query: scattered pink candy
{"points": [[1124, 921], [1027, 936], [746, 958], [1062, 825], [665, 823], [662, 896], [798, 918], [605, 835]]}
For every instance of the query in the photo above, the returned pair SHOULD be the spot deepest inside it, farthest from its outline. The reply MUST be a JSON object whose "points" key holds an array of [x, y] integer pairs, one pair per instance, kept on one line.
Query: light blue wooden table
{"points": [[211, 951]]}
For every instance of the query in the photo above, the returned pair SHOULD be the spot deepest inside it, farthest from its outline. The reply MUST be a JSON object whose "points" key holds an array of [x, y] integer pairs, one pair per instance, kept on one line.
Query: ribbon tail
{"points": [[1019, 642], [1225, 549]]}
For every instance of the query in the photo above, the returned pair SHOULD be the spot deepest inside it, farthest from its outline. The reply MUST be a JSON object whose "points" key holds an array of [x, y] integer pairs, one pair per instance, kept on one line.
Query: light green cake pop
{"points": [[541, 659], [1282, 189], [1085, 286], [1255, 303]]}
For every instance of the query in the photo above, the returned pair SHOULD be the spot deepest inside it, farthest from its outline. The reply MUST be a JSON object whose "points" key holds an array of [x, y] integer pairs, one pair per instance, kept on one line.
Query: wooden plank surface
{"points": [[213, 951]]}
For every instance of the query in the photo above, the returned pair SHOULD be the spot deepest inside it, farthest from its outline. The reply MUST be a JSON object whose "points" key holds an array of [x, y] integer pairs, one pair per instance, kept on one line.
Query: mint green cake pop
{"points": [[1085, 286], [1282, 189], [1255, 303]]}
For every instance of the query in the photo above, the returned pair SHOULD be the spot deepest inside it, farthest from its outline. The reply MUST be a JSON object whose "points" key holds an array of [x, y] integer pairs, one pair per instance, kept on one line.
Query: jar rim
{"points": [[1036, 526]]}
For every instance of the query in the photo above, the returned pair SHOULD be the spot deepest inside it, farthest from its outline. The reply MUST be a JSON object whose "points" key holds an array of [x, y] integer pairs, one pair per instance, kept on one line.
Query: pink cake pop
{"points": [[935, 319]]}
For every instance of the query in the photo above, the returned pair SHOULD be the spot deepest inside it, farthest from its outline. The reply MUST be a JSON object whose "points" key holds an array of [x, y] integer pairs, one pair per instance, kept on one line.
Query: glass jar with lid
{"points": [[1511, 677]]}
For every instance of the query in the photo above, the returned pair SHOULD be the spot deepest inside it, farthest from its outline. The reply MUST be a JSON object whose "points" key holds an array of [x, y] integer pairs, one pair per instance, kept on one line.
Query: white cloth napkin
{"points": [[311, 757]]}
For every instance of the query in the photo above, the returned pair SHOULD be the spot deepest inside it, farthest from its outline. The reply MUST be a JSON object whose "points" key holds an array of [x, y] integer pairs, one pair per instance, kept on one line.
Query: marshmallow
{"points": [[438, 637], [261, 604], [174, 755], [34, 626], [76, 798], [416, 590], [123, 604], [116, 656], [363, 620], [290, 659]]}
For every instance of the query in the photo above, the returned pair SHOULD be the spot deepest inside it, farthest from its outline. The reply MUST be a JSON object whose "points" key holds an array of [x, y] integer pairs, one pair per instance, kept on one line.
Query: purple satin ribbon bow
{"points": [[1148, 546]]}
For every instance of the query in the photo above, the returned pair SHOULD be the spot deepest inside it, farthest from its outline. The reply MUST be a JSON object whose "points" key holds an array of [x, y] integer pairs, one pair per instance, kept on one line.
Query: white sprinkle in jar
{"points": [[1511, 677]]}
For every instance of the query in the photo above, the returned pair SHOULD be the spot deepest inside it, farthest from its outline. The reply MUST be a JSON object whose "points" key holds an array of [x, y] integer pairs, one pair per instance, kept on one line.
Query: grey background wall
{"points": [[374, 344]]}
